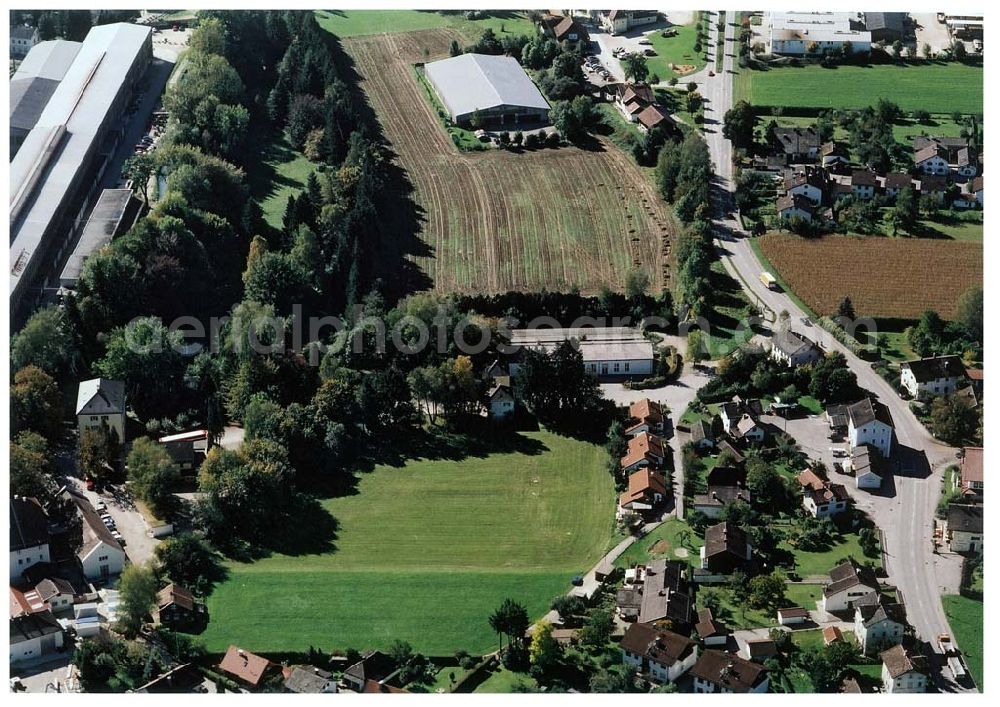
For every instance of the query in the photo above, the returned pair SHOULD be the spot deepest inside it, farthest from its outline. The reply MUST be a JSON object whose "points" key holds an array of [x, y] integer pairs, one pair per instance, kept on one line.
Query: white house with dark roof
{"points": [[622, 21], [501, 402], [932, 376], [22, 39], [879, 622], [849, 581], [903, 671], [720, 672], [793, 349], [100, 402], [962, 528], [867, 466], [29, 535], [789, 206], [664, 655], [932, 159], [101, 555], [869, 422], [34, 632]]}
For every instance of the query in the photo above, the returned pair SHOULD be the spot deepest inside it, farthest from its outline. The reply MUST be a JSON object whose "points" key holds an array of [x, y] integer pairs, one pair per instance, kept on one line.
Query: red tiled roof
{"points": [[642, 446], [244, 665], [642, 482]]}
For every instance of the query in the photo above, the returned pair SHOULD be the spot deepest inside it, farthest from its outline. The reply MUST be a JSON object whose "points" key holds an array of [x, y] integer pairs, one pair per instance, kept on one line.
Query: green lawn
{"points": [[804, 595], [811, 404], [354, 23], [817, 563], [669, 536], [965, 616], [281, 172], [677, 50], [937, 87], [503, 681], [968, 227], [425, 551]]}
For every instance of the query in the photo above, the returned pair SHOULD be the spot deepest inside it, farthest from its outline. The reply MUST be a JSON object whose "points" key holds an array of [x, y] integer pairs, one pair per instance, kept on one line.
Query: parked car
{"points": [[644, 41], [101, 506], [650, 52], [577, 581]]}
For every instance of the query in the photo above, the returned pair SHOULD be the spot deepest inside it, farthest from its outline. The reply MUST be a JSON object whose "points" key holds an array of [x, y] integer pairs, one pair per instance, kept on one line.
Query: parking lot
{"points": [[631, 42]]}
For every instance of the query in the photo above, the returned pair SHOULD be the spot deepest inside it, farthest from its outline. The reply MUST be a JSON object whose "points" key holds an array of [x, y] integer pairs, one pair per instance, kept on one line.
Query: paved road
{"points": [[907, 517]]}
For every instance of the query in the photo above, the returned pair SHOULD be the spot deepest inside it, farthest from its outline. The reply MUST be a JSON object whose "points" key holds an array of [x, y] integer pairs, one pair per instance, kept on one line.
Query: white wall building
{"points": [[869, 422], [933, 376], [101, 403], [815, 33], [29, 535]]}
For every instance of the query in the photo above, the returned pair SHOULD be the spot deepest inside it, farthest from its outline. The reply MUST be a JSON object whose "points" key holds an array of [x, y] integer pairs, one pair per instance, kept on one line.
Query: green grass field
{"points": [[426, 551], [678, 50], [663, 543], [356, 23], [937, 88], [819, 563], [965, 616], [282, 172]]}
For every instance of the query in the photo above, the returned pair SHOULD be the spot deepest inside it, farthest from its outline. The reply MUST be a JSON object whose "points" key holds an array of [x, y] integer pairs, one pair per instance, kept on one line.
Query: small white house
{"points": [[792, 616], [878, 623], [792, 206], [721, 672], [933, 376], [869, 422], [22, 39], [501, 402], [793, 349], [849, 582], [101, 403], [101, 556], [56, 593], [664, 656], [963, 528], [902, 672], [34, 631], [867, 467], [821, 498]]}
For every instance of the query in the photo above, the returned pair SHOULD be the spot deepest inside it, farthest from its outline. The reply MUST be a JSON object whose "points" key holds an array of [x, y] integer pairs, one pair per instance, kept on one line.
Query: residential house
{"points": [[563, 29], [799, 33], [870, 422], [308, 680], [849, 581], [895, 182], [710, 631], [176, 605], [793, 349], [22, 39], [864, 182], [717, 497], [975, 378], [726, 447], [101, 555], [758, 650], [57, 594], [608, 352], [797, 144], [965, 200], [977, 189], [810, 183], [962, 528], [789, 206], [631, 98], [879, 622], [501, 402], [792, 616], [748, 429], [966, 164], [29, 535], [956, 152], [34, 632], [834, 153], [644, 450], [727, 549], [101, 403], [702, 434], [732, 412], [652, 117], [934, 186], [246, 668], [498, 373], [628, 601], [867, 466], [663, 655], [932, 159], [666, 596], [903, 671], [716, 671], [646, 490], [820, 497], [374, 666], [932, 376], [645, 415], [970, 481], [622, 21]]}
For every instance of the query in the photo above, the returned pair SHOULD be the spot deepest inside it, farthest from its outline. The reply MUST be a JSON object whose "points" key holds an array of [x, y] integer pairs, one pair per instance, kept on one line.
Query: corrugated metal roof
{"points": [[45, 169], [472, 82]]}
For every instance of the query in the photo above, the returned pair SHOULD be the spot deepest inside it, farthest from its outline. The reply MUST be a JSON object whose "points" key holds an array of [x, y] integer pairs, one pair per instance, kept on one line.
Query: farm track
{"points": [[496, 220]]}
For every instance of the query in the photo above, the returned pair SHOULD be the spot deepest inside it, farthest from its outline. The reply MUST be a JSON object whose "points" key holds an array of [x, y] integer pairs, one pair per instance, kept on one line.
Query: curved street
{"points": [[905, 510]]}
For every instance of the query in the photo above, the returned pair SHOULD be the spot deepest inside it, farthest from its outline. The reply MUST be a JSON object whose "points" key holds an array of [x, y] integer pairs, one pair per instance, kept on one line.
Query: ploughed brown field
{"points": [[884, 277], [494, 221]]}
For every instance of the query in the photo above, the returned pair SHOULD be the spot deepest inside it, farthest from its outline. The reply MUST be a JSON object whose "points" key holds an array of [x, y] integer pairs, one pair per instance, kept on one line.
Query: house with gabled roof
{"points": [[34, 631], [374, 667], [879, 622], [727, 549], [720, 672], [644, 450], [246, 668], [647, 489], [849, 581], [903, 671], [29, 535], [308, 680], [177, 605], [934, 186], [792, 349], [663, 655], [864, 182], [932, 376], [970, 480], [622, 21], [895, 182], [810, 183], [711, 631], [789, 206], [101, 556], [870, 422], [702, 434], [820, 497], [500, 402], [645, 415], [931, 159], [666, 596], [717, 498], [867, 466], [962, 528], [100, 402], [797, 143], [833, 153], [55, 593]]}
